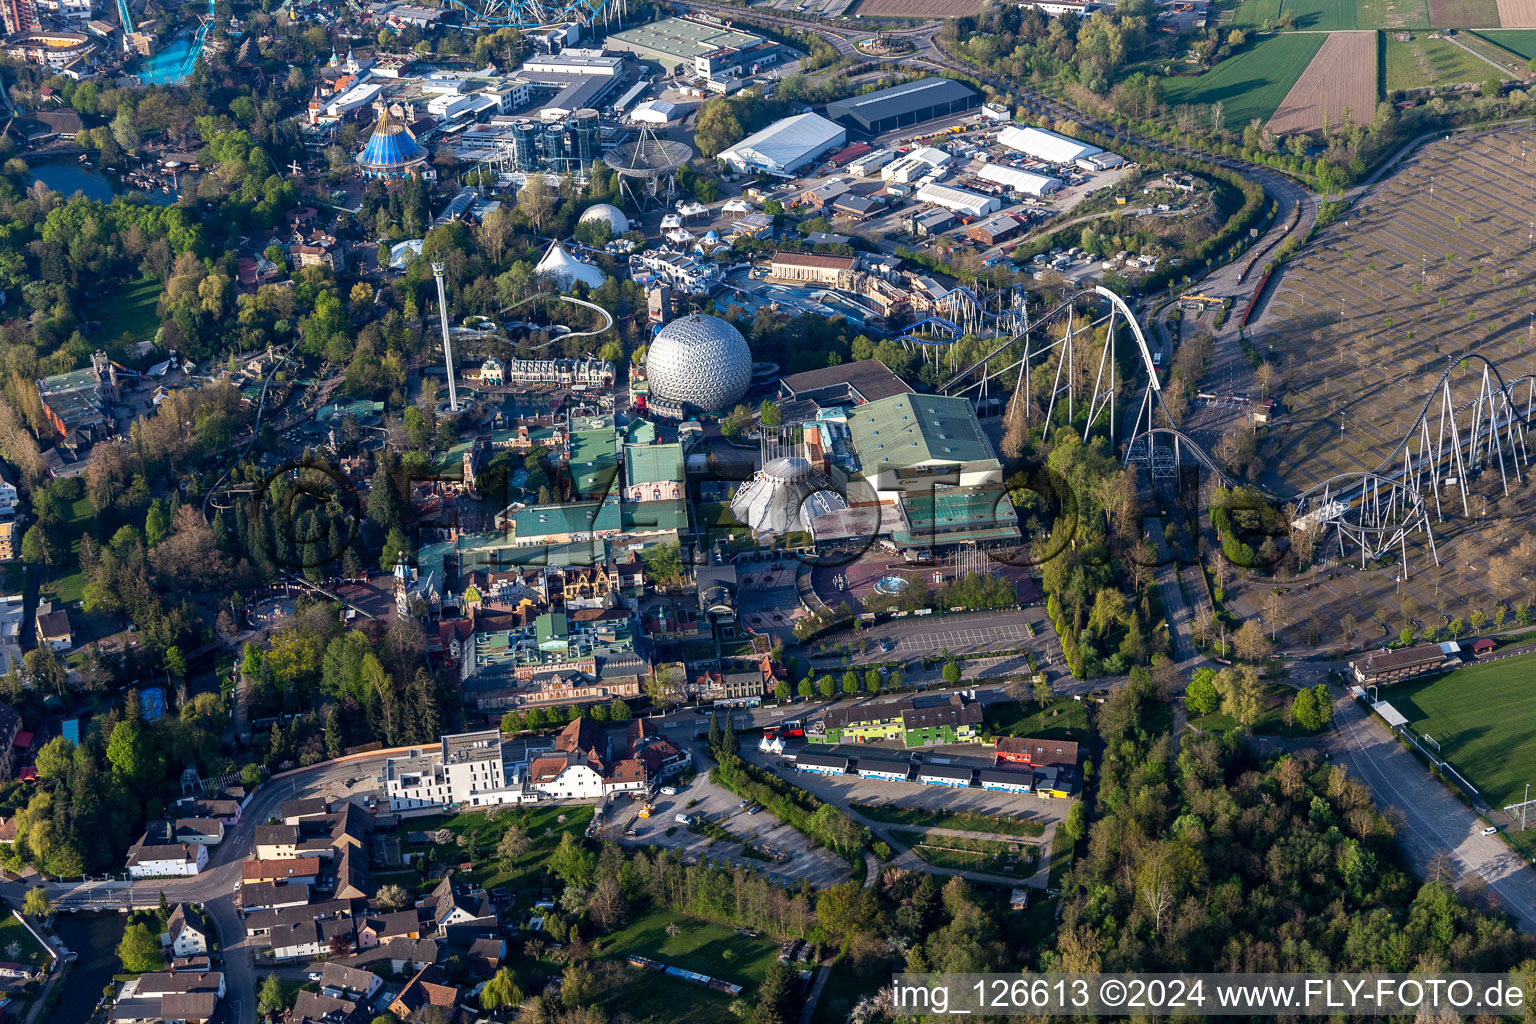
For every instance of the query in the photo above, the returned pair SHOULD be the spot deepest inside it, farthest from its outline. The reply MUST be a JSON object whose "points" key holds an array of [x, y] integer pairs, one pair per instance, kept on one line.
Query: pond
{"points": [[94, 937], [68, 177]]}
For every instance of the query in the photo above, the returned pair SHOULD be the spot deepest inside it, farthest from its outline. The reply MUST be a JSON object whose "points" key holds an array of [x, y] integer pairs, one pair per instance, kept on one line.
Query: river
{"points": [[70, 176], [95, 938]]}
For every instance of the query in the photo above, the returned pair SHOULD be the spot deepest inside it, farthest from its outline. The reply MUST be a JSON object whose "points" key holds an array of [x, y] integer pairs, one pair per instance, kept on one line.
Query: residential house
{"points": [[53, 628], [186, 933], [428, 988], [146, 860]]}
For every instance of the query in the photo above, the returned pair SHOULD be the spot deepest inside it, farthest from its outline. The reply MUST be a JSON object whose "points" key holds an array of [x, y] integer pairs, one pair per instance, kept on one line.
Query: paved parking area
{"points": [[847, 789], [720, 805]]}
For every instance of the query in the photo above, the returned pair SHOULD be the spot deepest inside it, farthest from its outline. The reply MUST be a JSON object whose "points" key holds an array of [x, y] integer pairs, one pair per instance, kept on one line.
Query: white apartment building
{"points": [[466, 769]]}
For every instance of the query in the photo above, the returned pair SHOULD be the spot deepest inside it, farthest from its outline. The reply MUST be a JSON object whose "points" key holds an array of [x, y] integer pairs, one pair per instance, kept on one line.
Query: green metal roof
{"points": [[955, 514], [576, 517], [652, 464], [913, 430], [651, 516], [594, 461]]}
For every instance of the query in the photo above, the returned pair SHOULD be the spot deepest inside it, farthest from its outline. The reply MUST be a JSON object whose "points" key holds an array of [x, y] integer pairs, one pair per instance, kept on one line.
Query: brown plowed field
{"points": [[1517, 13], [919, 8], [1342, 74]]}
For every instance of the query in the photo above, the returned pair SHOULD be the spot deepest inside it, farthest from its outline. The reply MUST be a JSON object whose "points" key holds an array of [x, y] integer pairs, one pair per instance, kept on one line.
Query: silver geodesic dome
{"points": [[699, 360]]}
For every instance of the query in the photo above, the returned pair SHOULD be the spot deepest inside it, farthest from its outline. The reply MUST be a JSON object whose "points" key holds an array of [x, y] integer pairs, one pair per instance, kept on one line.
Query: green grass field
{"points": [[1422, 62], [1060, 720], [1251, 84], [713, 949], [1516, 40], [1481, 716], [17, 944], [962, 854], [1318, 15], [129, 310], [482, 832], [965, 821]]}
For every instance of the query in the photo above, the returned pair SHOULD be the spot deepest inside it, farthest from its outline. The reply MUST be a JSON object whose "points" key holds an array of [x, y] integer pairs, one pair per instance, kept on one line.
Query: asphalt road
{"points": [[1433, 821]]}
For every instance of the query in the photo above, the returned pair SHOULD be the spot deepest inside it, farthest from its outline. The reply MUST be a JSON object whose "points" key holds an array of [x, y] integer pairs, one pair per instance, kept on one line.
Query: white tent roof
{"points": [[1044, 145], [787, 143], [1019, 181], [654, 112], [565, 268]]}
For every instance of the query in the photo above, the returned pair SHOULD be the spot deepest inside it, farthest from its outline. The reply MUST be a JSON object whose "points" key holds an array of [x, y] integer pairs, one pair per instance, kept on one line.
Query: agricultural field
{"points": [[1517, 13], [1342, 77], [918, 8], [1480, 715], [1463, 13], [1421, 62], [1253, 83], [1519, 41], [1512, 64]]}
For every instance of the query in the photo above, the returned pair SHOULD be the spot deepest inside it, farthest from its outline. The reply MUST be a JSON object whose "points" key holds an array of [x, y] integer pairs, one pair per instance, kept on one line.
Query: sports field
{"points": [[1482, 717], [1251, 84]]}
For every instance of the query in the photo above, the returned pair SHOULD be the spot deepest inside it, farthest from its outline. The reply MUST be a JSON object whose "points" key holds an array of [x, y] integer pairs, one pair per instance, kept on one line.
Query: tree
{"points": [[1077, 822], [1202, 697], [271, 998], [512, 845], [139, 949], [54, 759], [501, 991], [392, 897], [36, 903], [537, 201], [952, 673], [1312, 708]]}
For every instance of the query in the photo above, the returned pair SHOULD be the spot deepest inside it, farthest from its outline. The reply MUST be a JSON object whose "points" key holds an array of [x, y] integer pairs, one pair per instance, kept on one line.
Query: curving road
{"points": [[214, 888]]}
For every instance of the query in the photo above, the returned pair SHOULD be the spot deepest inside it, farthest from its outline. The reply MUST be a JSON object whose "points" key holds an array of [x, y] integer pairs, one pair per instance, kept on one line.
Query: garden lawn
{"points": [[1481, 716], [964, 821], [1061, 720], [482, 832], [1422, 62], [1252, 83], [717, 950], [129, 310], [27, 949]]}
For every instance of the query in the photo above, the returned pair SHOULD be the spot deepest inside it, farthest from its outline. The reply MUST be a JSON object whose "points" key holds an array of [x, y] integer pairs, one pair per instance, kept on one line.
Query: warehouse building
{"points": [[785, 146], [880, 768], [944, 775], [1004, 781], [1015, 180], [1047, 146], [822, 764], [959, 200], [903, 105]]}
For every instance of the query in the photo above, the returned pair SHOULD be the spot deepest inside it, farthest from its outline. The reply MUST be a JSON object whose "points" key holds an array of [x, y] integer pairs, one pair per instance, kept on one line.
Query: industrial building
{"points": [[903, 105], [697, 46], [785, 146], [1015, 180], [1047, 146], [959, 200]]}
